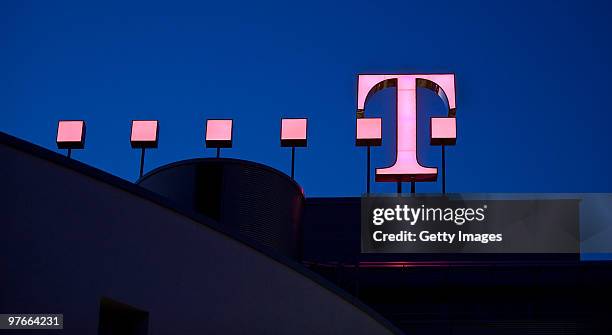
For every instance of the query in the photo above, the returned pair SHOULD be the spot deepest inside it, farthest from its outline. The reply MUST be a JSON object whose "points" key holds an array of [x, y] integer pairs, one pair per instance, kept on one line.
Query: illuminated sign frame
{"points": [[407, 167]]}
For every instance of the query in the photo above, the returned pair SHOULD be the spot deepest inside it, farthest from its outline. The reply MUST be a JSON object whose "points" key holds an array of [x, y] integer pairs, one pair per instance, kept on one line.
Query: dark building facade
{"points": [[458, 293], [115, 258]]}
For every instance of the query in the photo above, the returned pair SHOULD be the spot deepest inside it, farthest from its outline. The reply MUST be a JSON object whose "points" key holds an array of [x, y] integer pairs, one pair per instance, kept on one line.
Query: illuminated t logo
{"points": [[406, 166]]}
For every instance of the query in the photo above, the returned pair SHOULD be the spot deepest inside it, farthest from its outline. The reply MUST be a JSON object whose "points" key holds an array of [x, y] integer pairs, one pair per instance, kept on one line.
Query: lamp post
{"points": [[219, 134], [293, 134], [369, 134], [70, 135], [144, 135], [443, 132]]}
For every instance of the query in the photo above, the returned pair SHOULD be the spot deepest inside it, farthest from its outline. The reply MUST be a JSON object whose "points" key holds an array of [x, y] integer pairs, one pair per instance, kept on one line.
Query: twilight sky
{"points": [[533, 79]]}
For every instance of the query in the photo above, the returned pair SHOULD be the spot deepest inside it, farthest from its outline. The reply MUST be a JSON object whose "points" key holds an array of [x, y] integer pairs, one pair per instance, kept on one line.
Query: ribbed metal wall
{"points": [[255, 201]]}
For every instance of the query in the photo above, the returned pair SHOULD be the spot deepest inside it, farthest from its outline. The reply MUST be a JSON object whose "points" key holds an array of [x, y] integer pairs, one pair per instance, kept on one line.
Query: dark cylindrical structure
{"points": [[257, 202]]}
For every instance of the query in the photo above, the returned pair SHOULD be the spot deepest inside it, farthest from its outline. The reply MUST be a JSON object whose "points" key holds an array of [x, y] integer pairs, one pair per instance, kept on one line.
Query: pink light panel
{"points": [[144, 133], [293, 132], [219, 133], [443, 130], [71, 134], [369, 132]]}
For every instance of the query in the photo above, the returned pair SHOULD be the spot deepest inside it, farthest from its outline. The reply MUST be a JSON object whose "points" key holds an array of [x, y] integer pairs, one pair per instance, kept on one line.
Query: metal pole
{"points": [[142, 156], [357, 278], [443, 170], [368, 172], [69, 153], [412, 187], [292, 161], [218, 152], [399, 187]]}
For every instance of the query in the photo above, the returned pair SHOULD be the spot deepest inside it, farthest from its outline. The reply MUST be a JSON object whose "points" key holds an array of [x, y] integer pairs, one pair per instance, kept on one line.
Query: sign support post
{"points": [[142, 158], [70, 135], [368, 171], [144, 135], [292, 162], [293, 134], [443, 132], [443, 169], [219, 134], [369, 133]]}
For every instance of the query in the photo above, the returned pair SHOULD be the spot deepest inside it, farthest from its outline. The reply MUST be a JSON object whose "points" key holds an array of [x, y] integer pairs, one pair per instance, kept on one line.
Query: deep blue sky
{"points": [[533, 83]]}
